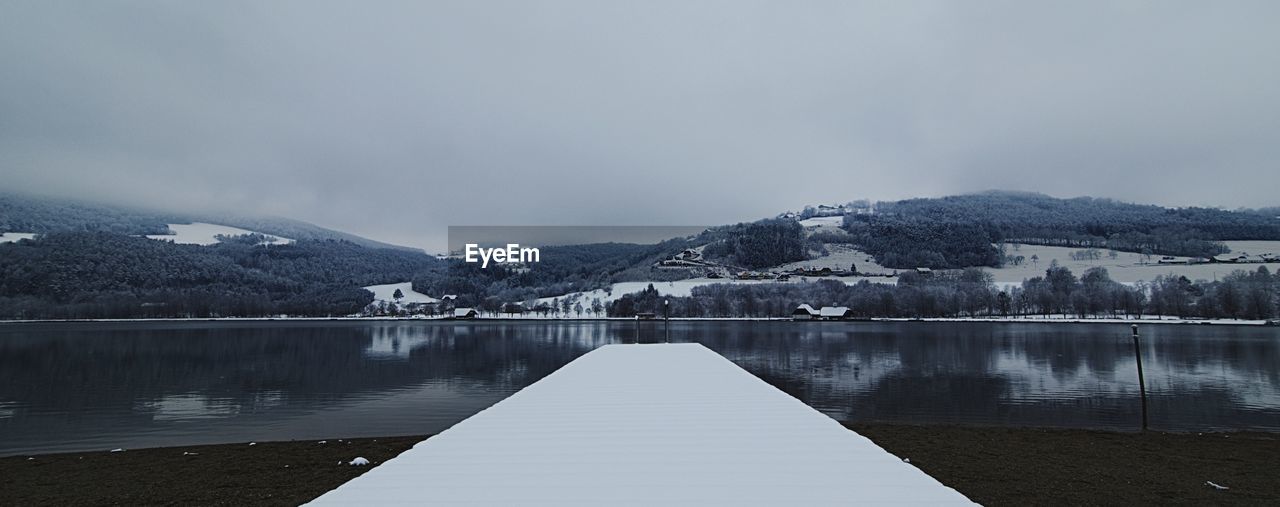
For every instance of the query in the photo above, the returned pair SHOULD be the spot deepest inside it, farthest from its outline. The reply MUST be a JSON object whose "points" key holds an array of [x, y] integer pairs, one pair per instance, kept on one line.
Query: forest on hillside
{"points": [[958, 231], [756, 245], [109, 275], [23, 213]]}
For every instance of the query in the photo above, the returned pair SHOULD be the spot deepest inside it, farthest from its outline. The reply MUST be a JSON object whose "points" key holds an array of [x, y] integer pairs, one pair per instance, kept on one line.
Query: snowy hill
{"points": [[386, 293], [34, 214], [200, 233]]}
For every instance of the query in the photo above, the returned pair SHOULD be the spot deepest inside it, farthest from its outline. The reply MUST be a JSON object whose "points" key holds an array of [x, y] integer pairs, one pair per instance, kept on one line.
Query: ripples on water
{"points": [[104, 385]]}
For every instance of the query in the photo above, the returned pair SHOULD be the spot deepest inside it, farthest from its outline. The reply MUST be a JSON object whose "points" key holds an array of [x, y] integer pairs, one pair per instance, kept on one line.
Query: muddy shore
{"points": [[993, 466]]}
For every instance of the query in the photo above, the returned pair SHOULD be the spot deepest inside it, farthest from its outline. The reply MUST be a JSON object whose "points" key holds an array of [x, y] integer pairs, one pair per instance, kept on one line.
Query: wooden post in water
{"points": [[1142, 383], [666, 314]]}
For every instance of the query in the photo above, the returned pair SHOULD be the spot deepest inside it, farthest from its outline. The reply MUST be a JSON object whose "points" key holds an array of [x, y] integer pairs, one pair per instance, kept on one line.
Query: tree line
{"points": [[971, 293]]}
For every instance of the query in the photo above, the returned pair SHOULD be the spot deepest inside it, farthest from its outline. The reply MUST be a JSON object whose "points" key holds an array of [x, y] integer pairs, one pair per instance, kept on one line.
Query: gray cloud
{"points": [[394, 120]]}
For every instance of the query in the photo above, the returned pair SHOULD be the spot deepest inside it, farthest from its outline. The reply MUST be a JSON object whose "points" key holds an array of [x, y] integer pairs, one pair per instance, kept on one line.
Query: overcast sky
{"points": [[395, 120]]}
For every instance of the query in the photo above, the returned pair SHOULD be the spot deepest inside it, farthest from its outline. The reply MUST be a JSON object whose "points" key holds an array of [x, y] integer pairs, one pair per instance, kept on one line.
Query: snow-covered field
{"points": [[386, 293], [10, 237], [200, 233], [838, 257], [1126, 267], [825, 223], [1254, 247]]}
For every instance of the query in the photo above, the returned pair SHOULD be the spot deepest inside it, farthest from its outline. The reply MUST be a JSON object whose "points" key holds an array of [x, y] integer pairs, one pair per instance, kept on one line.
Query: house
{"points": [[688, 254], [804, 312], [784, 277], [752, 275], [465, 313], [513, 308], [646, 316], [924, 271], [449, 297], [834, 313]]}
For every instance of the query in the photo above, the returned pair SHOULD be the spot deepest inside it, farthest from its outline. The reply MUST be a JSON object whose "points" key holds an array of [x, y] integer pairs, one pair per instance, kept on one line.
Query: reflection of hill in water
{"points": [[83, 366], [1045, 375], [90, 378], [161, 383]]}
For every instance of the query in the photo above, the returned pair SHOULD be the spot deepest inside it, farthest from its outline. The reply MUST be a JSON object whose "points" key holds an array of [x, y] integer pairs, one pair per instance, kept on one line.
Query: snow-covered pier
{"points": [[646, 425]]}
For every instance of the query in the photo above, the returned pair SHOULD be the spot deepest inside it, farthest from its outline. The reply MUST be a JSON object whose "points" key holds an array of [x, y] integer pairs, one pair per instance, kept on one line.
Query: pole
{"points": [[666, 313], [1142, 383]]}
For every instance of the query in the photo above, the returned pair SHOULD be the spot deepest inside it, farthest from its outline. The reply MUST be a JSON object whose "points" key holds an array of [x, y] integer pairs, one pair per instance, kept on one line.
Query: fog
{"points": [[395, 120]]}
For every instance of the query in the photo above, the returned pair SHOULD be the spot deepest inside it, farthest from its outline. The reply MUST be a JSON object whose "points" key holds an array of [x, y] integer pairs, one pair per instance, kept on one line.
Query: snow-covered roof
{"points": [[463, 312], [834, 311], [657, 424], [807, 308]]}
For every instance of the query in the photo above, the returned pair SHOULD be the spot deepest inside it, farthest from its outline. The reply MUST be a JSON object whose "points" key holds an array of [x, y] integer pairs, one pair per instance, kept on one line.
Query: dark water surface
{"points": [[86, 386]]}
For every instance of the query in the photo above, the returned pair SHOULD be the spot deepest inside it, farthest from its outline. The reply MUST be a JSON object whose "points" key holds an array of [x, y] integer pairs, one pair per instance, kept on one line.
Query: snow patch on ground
{"points": [[1126, 267], [10, 237], [200, 233], [823, 222], [386, 293], [839, 257]]}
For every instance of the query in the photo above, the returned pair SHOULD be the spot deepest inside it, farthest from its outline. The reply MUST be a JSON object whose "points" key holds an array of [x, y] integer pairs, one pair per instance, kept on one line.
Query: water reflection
{"points": [[1199, 377], [85, 386], [96, 385]]}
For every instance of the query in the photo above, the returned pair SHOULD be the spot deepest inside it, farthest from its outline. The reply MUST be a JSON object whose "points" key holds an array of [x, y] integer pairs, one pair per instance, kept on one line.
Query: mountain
{"points": [[24, 213], [97, 274], [92, 260]]}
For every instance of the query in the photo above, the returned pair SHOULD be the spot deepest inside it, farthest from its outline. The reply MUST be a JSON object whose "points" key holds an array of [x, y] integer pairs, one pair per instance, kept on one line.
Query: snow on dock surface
{"points": [[646, 425]]}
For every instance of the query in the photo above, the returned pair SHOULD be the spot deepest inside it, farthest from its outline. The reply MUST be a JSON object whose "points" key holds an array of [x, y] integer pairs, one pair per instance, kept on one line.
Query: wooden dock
{"points": [[646, 425]]}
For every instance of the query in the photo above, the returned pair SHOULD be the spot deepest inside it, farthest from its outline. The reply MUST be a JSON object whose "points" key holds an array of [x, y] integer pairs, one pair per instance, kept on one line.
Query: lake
{"points": [[96, 386]]}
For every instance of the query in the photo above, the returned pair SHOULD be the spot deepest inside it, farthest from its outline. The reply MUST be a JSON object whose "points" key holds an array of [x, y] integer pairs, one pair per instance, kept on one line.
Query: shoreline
{"points": [[990, 465], [987, 320]]}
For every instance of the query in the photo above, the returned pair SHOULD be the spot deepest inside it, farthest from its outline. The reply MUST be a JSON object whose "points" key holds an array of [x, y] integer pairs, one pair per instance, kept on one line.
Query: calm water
{"points": [[88, 386]]}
